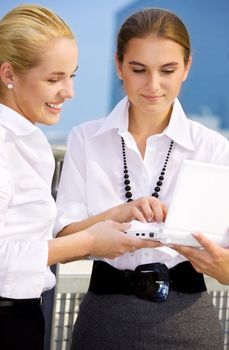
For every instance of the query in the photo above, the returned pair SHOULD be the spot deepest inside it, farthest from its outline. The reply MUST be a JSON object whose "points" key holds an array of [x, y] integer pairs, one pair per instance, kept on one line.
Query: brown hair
{"points": [[153, 21]]}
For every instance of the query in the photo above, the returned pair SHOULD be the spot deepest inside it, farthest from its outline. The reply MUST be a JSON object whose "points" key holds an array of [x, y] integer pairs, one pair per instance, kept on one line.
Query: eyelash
{"points": [[53, 81], [139, 71], [168, 71]]}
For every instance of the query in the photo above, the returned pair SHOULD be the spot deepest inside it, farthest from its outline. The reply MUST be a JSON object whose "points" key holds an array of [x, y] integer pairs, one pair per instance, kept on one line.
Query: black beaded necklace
{"points": [[159, 183]]}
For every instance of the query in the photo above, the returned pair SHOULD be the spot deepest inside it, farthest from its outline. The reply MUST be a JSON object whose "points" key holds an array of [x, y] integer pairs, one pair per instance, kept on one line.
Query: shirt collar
{"points": [[117, 119], [178, 129], [15, 121]]}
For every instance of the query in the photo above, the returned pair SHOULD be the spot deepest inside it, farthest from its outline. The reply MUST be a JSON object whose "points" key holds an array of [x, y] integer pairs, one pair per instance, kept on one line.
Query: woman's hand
{"points": [[145, 209], [108, 239], [212, 261]]}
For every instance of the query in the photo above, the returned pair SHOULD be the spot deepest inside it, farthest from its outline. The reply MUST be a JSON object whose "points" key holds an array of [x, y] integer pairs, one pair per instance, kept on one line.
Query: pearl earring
{"points": [[10, 86]]}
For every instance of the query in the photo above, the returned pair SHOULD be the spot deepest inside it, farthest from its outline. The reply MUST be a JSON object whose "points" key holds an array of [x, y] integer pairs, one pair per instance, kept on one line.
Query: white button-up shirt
{"points": [[27, 209], [92, 175]]}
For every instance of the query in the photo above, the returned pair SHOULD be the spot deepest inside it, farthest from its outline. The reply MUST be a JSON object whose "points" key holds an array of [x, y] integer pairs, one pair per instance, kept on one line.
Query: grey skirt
{"points": [[125, 322]]}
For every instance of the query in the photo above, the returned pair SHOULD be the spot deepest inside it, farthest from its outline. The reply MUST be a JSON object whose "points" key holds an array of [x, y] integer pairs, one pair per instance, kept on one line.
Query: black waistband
{"points": [[19, 302], [106, 279]]}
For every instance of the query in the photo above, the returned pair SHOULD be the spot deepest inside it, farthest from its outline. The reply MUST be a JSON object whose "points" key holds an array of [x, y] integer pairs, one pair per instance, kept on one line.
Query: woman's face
{"points": [[152, 71], [39, 94]]}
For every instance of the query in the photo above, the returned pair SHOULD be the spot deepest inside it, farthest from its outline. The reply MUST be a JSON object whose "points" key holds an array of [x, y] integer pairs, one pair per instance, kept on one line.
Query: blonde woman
{"points": [[38, 60]]}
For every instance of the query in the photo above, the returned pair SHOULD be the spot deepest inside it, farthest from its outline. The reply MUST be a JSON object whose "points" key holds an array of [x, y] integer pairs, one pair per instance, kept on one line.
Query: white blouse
{"points": [[27, 209], [92, 175]]}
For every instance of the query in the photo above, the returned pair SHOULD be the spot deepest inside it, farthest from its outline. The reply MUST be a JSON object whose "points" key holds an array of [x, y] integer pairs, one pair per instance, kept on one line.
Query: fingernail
{"points": [[195, 234]]}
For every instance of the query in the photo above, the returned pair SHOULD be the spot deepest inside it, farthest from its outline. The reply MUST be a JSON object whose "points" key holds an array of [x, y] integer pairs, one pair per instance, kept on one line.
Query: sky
{"points": [[205, 94], [93, 24]]}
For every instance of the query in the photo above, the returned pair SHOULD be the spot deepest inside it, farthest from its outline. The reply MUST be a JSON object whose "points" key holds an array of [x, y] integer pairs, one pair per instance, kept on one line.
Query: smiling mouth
{"points": [[54, 106], [148, 97]]}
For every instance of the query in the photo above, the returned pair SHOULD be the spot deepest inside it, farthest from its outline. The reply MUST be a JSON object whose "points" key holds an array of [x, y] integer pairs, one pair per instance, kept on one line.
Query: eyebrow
{"points": [[136, 63], [63, 73]]}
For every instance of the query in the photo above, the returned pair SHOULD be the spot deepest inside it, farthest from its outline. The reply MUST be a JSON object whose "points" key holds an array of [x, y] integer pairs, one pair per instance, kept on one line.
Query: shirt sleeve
{"points": [[23, 268], [71, 195], [5, 190], [23, 263]]}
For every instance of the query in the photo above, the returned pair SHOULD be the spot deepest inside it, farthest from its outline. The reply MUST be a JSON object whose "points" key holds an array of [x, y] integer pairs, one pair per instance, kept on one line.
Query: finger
{"points": [[117, 226], [150, 244], [122, 226], [165, 211], [182, 249], [156, 207], [206, 243], [189, 252], [144, 243], [146, 209], [197, 267], [138, 215], [200, 259]]}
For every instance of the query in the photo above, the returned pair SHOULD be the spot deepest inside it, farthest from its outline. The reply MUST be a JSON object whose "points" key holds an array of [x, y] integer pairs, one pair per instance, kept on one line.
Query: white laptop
{"points": [[200, 203]]}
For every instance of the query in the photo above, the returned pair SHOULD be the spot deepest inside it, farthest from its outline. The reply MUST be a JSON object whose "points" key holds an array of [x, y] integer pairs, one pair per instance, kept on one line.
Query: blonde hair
{"points": [[25, 32]]}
